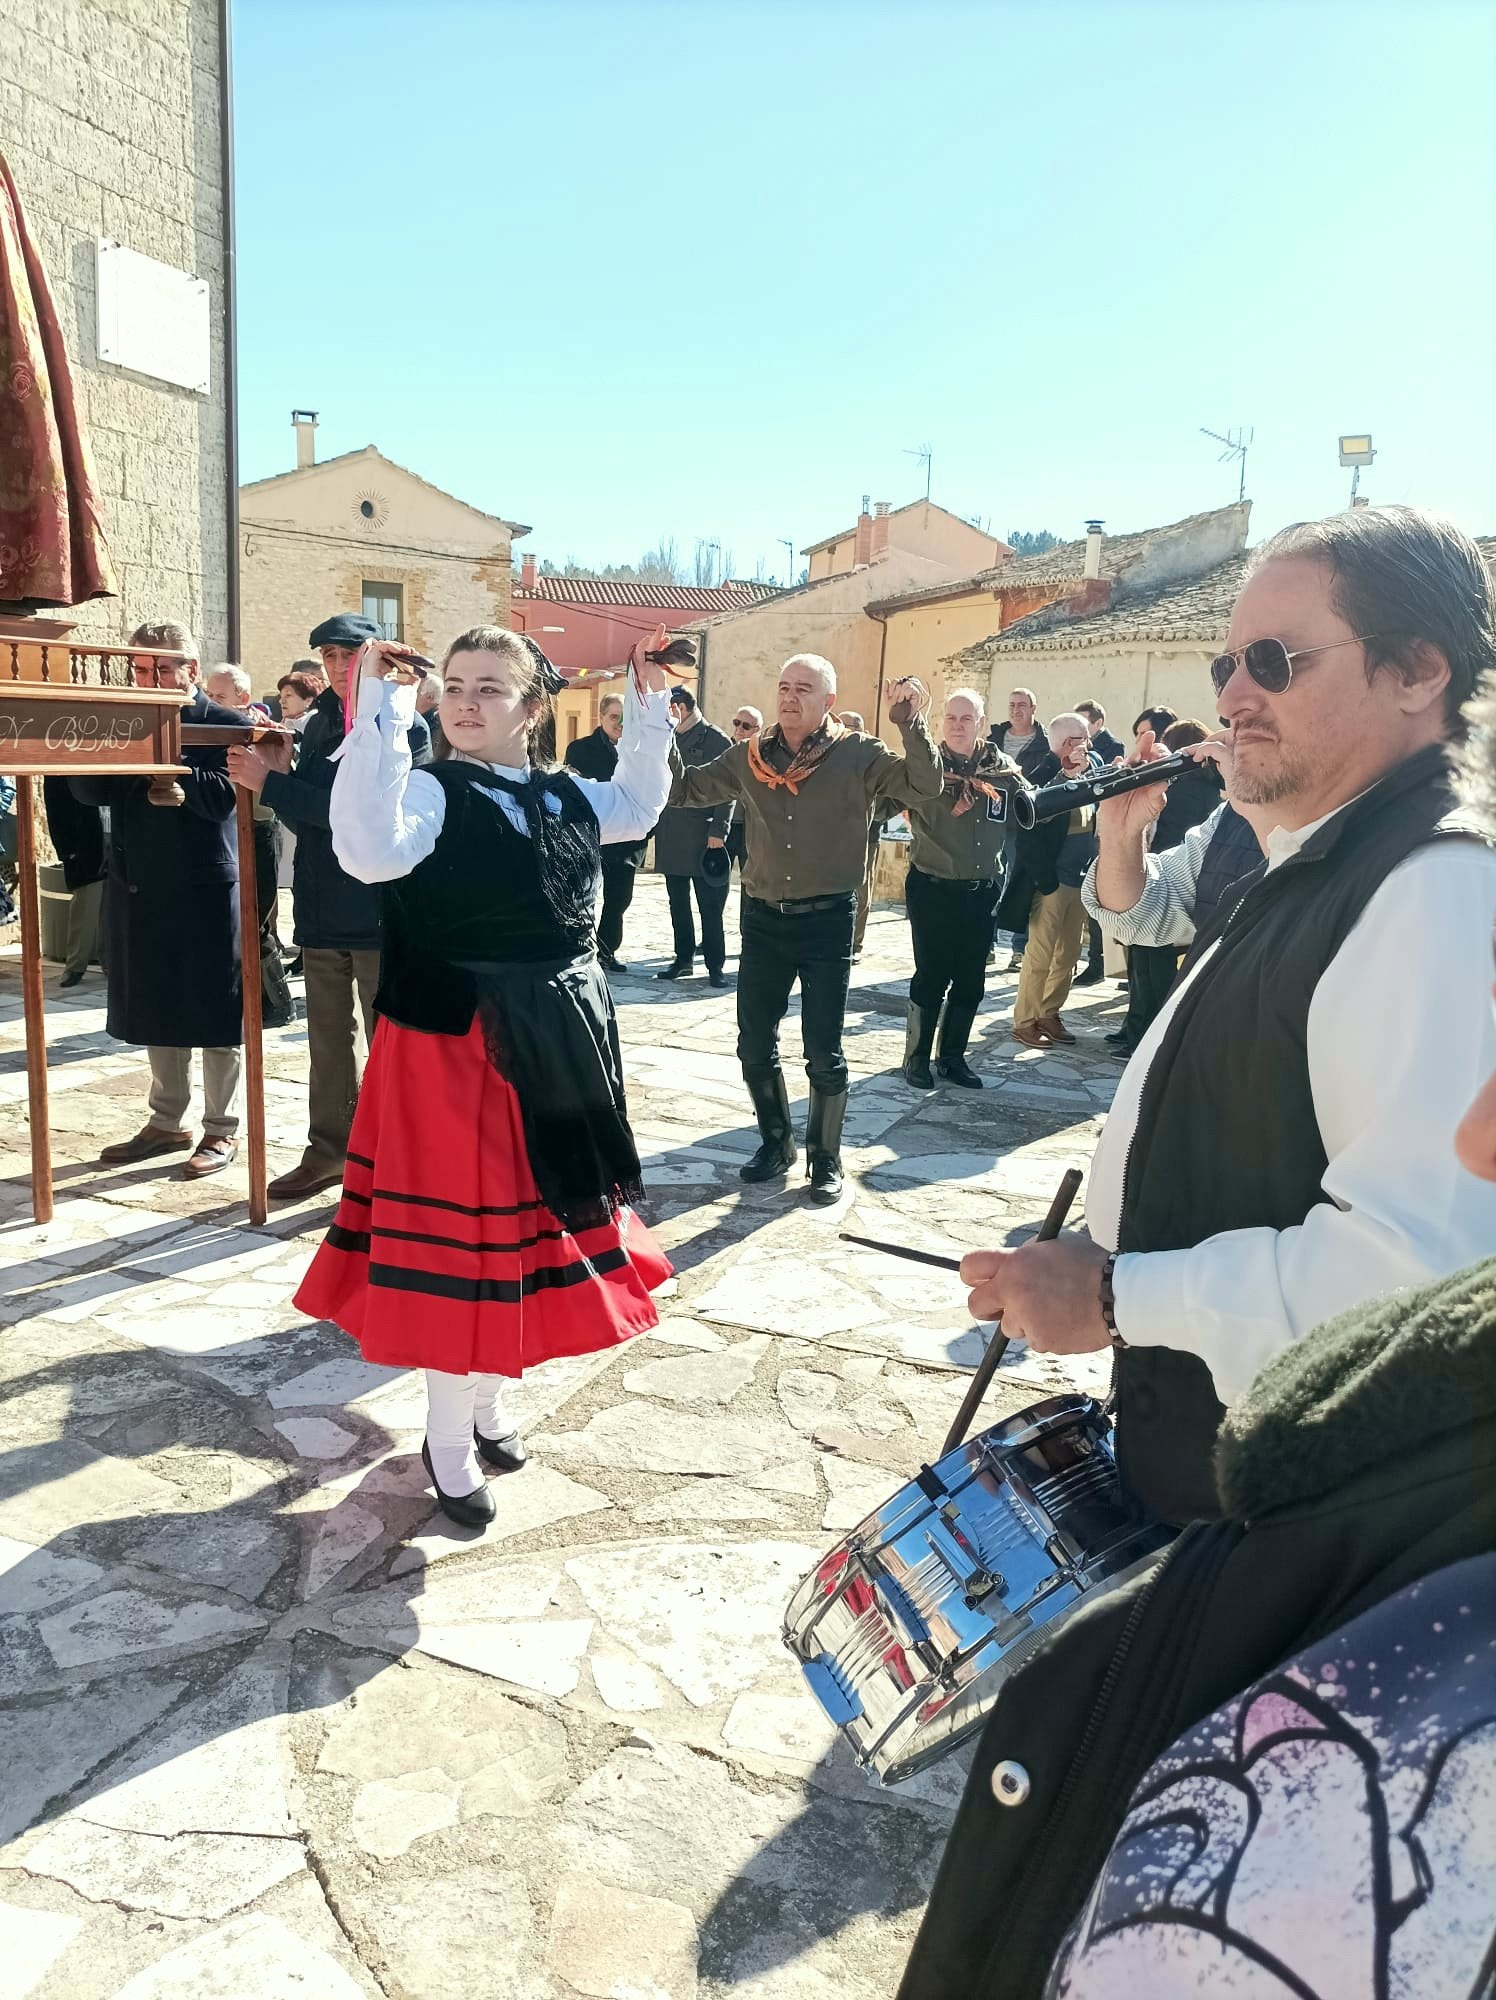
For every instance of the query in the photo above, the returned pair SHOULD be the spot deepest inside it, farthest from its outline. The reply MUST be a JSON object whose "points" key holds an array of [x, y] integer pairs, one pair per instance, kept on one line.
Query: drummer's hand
{"points": [[1134, 812], [1048, 1294]]}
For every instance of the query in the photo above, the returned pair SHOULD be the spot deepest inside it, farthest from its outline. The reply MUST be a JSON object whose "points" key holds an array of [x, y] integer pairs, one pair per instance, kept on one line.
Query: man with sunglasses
{"points": [[1278, 1149], [745, 726]]}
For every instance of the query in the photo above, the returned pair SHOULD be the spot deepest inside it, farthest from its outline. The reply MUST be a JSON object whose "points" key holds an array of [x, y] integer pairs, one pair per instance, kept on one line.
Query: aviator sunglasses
{"points": [[1270, 663]]}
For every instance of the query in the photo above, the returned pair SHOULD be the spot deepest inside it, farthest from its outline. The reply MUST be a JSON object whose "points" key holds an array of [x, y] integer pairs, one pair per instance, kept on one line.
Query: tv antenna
{"points": [[1236, 443], [926, 457]]}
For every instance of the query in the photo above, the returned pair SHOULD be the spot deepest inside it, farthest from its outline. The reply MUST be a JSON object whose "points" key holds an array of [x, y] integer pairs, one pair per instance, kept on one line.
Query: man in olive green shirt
{"points": [[806, 790]]}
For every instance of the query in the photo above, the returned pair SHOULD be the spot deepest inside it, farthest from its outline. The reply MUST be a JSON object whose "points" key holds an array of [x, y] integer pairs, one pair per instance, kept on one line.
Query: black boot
{"points": [[771, 1107], [919, 1039], [955, 1032], [823, 1130]]}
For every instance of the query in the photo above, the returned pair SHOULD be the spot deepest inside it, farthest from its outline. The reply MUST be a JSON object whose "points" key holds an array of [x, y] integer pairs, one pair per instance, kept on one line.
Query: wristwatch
{"points": [[1109, 1301]]}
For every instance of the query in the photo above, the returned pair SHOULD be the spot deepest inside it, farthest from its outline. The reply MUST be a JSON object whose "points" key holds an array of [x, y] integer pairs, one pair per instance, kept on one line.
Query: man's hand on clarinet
{"points": [[911, 698], [1134, 812], [1048, 1294]]}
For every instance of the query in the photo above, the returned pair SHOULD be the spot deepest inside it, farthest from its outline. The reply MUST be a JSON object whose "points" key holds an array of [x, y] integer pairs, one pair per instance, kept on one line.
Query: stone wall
{"points": [[109, 119]]}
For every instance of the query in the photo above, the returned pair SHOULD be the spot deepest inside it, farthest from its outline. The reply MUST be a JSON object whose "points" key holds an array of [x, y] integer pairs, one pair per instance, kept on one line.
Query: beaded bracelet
{"points": [[1109, 1301]]}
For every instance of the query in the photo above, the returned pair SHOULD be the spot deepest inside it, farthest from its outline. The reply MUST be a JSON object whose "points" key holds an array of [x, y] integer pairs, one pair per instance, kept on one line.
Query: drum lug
{"points": [[982, 1583]]}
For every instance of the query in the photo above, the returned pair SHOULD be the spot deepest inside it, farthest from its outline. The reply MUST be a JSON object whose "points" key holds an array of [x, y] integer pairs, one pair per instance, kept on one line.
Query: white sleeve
{"points": [[1400, 1038], [1165, 912], [384, 816], [628, 804]]}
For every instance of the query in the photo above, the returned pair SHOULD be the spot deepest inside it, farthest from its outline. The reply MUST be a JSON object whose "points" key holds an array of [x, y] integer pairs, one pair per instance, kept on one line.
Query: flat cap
{"points": [[344, 630]]}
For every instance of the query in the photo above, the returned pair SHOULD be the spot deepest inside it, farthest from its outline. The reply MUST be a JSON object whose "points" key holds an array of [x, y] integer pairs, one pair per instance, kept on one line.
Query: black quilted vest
{"points": [[1226, 1135]]}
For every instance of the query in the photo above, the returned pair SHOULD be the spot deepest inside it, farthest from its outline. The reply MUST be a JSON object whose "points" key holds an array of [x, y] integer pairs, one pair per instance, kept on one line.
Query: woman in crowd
{"points": [[961, 843], [486, 1221]]}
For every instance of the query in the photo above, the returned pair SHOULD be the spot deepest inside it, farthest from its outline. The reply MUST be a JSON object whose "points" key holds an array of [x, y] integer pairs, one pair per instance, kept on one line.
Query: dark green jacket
{"points": [[1364, 1459]]}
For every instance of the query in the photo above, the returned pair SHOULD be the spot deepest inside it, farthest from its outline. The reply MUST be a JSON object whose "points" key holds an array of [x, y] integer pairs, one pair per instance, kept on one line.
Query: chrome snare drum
{"points": [[908, 1629]]}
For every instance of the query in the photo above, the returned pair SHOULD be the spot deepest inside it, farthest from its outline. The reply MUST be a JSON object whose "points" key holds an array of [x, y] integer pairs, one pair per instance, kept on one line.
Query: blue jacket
{"points": [[333, 911]]}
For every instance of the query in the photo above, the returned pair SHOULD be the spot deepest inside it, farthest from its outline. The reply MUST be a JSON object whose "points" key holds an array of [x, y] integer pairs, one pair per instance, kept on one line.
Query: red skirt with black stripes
{"points": [[441, 1254]]}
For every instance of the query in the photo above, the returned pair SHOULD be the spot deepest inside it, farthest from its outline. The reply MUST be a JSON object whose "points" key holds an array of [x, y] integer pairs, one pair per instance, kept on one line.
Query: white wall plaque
{"points": [[153, 318]]}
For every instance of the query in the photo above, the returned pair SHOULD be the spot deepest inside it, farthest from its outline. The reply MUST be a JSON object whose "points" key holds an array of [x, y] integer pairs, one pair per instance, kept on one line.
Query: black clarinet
{"points": [[1050, 800]]}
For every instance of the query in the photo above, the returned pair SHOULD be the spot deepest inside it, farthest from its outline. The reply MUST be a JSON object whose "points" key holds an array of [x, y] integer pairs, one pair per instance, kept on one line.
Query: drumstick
{"points": [[1051, 1226], [903, 1250]]}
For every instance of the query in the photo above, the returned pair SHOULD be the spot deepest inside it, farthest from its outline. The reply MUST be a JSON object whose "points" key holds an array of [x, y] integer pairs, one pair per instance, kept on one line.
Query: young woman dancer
{"points": [[486, 1221]]}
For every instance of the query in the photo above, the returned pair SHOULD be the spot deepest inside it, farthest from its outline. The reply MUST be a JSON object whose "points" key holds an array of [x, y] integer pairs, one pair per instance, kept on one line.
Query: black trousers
{"points": [[711, 901], [815, 947], [618, 893], [1151, 969], [951, 923]]}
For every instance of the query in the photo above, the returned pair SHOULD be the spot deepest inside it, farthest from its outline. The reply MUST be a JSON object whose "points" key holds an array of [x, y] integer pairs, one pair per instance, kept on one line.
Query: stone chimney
{"points": [[527, 573], [304, 423], [880, 530], [1093, 549], [862, 551]]}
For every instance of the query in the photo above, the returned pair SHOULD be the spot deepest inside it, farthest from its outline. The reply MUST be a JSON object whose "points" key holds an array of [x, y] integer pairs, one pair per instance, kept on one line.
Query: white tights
{"points": [[455, 1406]]}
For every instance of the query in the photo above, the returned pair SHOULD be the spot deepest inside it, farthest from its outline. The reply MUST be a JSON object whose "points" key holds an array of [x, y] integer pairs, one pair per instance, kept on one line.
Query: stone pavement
{"points": [[270, 1726]]}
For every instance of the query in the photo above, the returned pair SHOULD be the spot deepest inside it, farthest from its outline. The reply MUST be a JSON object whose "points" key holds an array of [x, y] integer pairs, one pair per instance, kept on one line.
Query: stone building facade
{"points": [[110, 120], [359, 533]]}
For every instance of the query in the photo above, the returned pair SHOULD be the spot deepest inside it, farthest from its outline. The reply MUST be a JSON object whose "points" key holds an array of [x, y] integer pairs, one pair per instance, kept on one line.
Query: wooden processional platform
{"points": [[70, 709]]}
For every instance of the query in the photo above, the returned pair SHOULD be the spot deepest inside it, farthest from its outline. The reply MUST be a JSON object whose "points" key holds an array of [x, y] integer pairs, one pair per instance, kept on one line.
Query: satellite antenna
{"points": [[926, 457], [1236, 443]]}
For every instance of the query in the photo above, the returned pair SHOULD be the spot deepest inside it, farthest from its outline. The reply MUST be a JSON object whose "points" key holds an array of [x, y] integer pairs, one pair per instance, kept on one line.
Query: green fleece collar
{"points": [[1380, 1379]]}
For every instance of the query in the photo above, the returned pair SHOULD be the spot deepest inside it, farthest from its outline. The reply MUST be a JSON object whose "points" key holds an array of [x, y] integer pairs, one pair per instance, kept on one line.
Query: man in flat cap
{"points": [[337, 918]]}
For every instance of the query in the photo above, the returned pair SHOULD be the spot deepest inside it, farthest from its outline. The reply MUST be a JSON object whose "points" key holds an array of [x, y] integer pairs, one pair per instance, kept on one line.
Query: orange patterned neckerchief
{"points": [[807, 759], [967, 778]]}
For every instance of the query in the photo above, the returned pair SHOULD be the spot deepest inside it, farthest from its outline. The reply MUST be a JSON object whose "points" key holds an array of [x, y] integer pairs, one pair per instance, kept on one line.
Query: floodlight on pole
{"points": [[1356, 451], [789, 576]]}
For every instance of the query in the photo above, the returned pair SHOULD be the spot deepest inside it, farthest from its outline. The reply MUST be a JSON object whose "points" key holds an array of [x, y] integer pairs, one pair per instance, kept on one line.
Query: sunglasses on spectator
{"points": [[1270, 663], [739, 722]]}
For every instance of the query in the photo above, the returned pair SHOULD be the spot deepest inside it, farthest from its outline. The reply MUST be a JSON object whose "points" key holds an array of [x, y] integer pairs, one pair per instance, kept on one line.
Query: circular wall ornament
{"points": [[371, 510]]}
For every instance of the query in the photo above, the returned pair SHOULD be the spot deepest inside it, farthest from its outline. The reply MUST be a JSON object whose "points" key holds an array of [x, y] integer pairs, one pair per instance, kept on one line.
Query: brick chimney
{"points": [[304, 423], [527, 573], [880, 530], [1093, 549], [862, 552]]}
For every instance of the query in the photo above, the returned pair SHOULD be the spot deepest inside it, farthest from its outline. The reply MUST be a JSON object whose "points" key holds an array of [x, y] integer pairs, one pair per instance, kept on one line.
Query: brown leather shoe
{"points": [[1031, 1034], [213, 1154], [1055, 1028], [307, 1179], [147, 1143]]}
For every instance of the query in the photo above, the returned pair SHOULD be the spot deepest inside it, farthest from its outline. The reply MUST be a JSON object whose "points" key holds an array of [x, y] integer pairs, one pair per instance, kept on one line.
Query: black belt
{"points": [[806, 906], [961, 881]]}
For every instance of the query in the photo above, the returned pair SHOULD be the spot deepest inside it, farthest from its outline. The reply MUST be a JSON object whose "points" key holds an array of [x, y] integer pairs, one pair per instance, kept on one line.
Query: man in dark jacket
{"points": [[337, 918], [1023, 738], [682, 840], [596, 756], [171, 918], [77, 833], [1299, 1806]]}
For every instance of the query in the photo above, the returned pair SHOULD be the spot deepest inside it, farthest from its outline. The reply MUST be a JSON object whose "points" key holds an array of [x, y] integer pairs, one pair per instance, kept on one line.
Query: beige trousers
{"points": [[1057, 930]]}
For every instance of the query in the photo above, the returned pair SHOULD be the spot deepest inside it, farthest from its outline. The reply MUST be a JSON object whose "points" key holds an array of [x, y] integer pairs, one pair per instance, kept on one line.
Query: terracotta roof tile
{"points": [[647, 596], [1197, 609]]}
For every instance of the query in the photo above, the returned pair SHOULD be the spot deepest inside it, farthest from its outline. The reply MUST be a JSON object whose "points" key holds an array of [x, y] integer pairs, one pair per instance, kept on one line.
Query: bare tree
{"points": [[662, 563]]}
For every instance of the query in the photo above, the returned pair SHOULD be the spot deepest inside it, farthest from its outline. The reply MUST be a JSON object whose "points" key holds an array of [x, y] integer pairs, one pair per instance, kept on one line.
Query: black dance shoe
{"points": [[677, 970], [470, 1510], [505, 1454]]}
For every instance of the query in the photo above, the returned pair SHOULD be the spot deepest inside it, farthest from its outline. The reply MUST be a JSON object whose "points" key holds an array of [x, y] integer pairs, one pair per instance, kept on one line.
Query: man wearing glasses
{"points": [[1279, 1147], [745, 724]]}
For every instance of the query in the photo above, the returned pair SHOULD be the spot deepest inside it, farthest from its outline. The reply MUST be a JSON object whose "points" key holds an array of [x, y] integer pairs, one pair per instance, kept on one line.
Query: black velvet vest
{"points": [[476, 900], [1226, 1135]]}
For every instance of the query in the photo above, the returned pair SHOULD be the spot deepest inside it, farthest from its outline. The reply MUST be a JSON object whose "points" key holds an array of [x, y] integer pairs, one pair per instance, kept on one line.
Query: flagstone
{"points": [[228, 1549], [49, 1748], [316, 1437], [33, 1579], [770, 1295], [62, 1483], [643, 1437], [545, 1657], [702, 1614], [338, 1382], [343, 1533], [791, 1728], [678, 1331], [459, 1935], [253, 1958], [856, 1491], [538, 1497], [34, 1941], [607, 1942], [711, 1500], [805, 1395], [203, 1875], [699, 1378], [626, 1683], [131, 1621], [389, 1816]]}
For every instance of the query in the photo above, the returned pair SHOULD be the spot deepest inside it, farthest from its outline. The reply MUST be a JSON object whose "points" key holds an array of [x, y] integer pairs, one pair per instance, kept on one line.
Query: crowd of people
{"points": [[1290, 1213]]}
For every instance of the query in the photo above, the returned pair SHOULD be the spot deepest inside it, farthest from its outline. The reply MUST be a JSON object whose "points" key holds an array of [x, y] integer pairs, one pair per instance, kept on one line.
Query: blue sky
{"points": [[642, 269]]}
